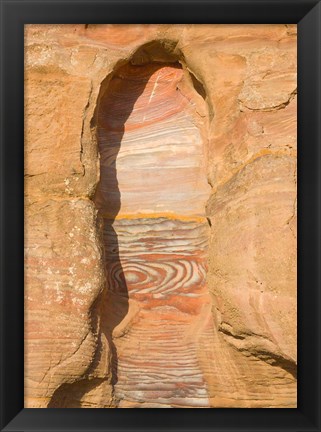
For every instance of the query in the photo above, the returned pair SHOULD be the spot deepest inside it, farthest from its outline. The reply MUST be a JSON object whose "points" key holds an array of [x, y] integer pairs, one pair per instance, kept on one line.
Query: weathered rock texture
{"points": [[160, 167]]}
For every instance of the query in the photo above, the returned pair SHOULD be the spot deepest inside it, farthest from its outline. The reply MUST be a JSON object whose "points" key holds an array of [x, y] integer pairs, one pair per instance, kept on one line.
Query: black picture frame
{"points": [[14, 14]]}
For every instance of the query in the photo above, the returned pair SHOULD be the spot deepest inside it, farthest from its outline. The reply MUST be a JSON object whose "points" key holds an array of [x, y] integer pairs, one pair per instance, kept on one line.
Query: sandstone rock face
{"points": [[160, 182]]}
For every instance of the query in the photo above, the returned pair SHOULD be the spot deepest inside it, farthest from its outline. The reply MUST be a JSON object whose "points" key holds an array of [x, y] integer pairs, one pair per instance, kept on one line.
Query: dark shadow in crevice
{"points": [[198, 86], [69, 395], [164, 51]]}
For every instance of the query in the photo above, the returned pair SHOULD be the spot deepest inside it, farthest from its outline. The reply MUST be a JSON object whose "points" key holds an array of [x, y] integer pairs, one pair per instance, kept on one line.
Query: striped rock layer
{"points": [[152, 196]]}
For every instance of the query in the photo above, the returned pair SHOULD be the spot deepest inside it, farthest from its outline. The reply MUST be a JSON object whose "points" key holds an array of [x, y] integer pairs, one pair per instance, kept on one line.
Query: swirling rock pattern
{"points": [[162, 266], [152, 195]]}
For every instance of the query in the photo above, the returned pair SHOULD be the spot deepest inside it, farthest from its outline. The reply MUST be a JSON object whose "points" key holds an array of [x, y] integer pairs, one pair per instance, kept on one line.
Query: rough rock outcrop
{"points": [[160, 181]]}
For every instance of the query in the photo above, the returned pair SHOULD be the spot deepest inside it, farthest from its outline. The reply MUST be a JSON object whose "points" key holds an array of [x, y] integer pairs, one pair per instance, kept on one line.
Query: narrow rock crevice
{"points": [[155, 229]]}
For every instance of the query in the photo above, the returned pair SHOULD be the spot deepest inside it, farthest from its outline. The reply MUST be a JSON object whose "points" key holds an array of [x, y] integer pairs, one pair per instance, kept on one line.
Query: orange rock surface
{"points": [[160, 183]]}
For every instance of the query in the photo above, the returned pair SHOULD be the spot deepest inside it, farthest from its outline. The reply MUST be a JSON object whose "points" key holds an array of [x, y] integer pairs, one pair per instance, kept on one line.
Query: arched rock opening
{"points": [[154, 315]]}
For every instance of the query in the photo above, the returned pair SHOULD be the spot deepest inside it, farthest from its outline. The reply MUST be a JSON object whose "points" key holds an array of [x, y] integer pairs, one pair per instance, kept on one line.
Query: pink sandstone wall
{"points": [[160, 208]]}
